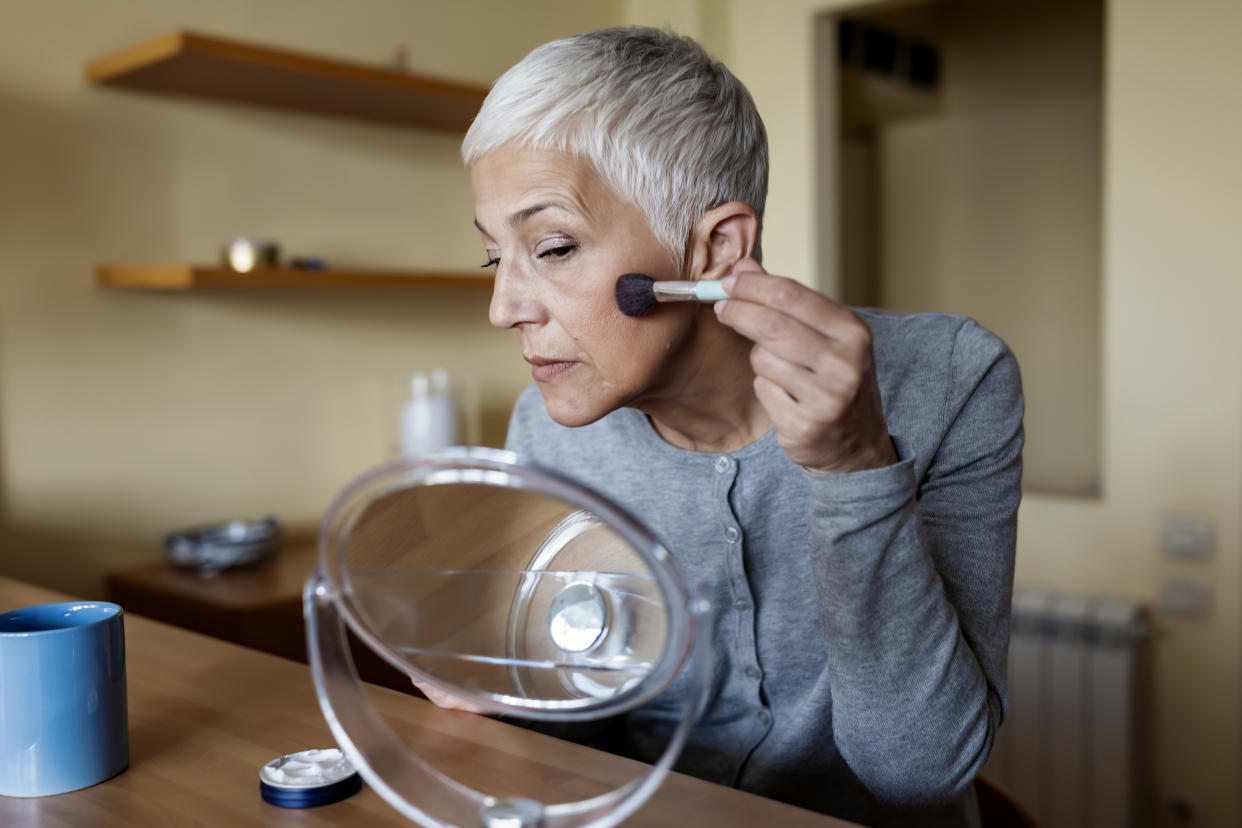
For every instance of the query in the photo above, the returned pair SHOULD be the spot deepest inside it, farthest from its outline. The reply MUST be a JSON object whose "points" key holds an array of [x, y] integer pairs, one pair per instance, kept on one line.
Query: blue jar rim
{"points": [[308, 797]]}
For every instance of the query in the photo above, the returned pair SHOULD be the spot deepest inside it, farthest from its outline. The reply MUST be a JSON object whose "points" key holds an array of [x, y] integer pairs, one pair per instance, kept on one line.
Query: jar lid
{"points": [[308, 778]]}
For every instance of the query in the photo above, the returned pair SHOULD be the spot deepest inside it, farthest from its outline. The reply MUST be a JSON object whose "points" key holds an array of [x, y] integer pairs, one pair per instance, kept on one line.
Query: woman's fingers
{"points": [[794, 322], [749, 282], [814, 370], [447, 700], [816, 391], [778, 333]]}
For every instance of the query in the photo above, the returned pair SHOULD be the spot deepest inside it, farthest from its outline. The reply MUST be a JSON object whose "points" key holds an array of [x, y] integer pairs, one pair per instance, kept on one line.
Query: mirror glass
{"points": [[502, 594]]}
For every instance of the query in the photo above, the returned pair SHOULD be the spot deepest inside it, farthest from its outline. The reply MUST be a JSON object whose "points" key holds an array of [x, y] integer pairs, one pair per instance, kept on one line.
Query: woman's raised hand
{"points": [[814, 370]]}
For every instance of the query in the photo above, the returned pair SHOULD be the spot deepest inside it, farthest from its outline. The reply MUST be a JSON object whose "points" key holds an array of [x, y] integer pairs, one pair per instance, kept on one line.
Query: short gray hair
{"points": [[666, 127]]}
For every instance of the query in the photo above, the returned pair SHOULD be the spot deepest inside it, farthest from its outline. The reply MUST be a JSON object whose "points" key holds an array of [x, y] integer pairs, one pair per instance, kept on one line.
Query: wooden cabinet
{"points": [[260, 607]]}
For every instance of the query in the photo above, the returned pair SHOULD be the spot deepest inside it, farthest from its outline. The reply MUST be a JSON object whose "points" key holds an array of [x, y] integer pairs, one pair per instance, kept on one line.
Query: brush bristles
{"points": [[635, 294]]}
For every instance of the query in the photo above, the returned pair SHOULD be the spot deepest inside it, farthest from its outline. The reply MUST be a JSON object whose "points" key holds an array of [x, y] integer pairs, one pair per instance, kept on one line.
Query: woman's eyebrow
{"points": [[524, 214]]}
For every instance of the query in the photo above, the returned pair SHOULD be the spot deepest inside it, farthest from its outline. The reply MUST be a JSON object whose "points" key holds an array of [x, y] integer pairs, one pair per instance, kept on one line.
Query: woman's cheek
{"points": [[596, 314]]}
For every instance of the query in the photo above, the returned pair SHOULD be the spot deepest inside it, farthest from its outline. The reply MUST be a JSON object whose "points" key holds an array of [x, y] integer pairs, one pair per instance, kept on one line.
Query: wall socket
{"points": [[1184, 597]]}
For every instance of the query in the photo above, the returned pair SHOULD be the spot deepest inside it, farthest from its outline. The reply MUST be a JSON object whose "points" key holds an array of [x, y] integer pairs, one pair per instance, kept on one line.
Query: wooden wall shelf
{"points": [[197, 65], [184, 277]]}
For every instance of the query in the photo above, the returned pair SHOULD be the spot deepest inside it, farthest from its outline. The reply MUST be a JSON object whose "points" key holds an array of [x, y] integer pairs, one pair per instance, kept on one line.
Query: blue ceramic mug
{"points": [[63, 717]]}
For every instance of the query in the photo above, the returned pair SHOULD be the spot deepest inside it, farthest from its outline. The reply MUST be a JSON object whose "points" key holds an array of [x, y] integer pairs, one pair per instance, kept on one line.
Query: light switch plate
{"points": [[1186, 539]]}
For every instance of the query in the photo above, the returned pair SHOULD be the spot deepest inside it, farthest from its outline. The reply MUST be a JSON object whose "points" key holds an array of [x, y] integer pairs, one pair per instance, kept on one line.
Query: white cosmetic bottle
{"points": [[428, 420]]}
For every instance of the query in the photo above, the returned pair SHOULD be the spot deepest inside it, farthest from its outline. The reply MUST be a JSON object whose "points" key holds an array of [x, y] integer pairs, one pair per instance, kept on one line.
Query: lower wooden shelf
{"points": [[185, 277]]}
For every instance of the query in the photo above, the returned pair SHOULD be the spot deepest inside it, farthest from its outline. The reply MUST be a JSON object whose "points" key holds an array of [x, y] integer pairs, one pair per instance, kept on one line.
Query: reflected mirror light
{"points": [[578, 618]]}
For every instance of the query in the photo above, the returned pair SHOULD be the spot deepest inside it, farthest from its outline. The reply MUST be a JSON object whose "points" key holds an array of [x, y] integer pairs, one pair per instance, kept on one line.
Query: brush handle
{"points": [[710, 291], [704, 291]]}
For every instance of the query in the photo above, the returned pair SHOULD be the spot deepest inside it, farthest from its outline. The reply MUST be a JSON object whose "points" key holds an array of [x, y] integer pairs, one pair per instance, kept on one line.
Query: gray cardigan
{"points": [[862, 618]]}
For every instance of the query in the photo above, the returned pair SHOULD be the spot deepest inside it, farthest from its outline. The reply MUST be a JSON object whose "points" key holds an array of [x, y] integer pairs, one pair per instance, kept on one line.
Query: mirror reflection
{"points": [[501, 592]]}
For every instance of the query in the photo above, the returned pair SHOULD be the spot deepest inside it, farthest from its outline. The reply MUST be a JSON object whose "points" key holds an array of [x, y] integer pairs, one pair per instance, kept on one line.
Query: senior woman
{"points": [[848, 479]]}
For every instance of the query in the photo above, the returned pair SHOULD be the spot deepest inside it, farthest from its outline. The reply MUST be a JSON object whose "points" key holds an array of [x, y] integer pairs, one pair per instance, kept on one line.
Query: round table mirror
{"points": [[508, 587]]}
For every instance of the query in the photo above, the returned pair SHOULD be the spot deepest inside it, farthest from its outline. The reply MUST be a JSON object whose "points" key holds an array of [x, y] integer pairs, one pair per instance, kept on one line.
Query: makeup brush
{"points": [[638, 293]]}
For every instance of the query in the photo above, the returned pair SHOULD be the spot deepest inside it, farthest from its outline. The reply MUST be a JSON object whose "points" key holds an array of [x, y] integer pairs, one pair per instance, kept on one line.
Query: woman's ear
{"points": [[723, 237]]}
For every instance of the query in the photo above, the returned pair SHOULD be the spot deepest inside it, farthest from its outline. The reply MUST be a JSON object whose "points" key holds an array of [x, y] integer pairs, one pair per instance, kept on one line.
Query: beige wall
{"points": [[1172, 346], [123, 415]]}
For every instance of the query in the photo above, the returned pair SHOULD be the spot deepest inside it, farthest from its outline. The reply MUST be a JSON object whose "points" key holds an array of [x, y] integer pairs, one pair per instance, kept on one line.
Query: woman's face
{"points": [[559, 239]]}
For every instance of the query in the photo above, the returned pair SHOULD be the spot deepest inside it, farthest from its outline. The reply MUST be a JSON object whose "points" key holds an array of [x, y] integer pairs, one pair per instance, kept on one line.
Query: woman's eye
{"points": [[558, 252], [492, 262]]}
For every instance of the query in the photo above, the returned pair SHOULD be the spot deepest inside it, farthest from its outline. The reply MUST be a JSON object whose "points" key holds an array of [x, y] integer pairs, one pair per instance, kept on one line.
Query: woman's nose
{"points": [[513, 300]]}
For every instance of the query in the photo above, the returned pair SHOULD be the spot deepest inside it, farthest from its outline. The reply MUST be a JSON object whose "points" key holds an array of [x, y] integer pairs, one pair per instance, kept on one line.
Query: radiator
{"points": [[1070, 748]]}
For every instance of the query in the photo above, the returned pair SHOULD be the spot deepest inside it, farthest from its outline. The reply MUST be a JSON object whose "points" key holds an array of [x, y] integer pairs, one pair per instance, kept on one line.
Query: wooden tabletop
{"points": [[205, 715]]}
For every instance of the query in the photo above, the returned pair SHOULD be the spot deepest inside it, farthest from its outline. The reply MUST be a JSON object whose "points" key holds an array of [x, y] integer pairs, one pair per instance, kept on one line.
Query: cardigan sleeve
{"points": [[915, 578]]}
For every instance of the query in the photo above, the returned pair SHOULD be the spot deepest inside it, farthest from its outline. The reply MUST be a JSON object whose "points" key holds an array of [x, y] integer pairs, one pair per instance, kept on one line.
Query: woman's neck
{"points": [[708, 402]]}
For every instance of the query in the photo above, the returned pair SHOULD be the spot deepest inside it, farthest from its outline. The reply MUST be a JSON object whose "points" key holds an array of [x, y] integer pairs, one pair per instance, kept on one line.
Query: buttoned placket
{"points": [[743, 608]]}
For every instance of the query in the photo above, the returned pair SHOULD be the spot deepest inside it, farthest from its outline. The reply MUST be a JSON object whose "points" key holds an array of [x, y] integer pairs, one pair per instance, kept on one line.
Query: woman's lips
{"points": [[543, 370]]}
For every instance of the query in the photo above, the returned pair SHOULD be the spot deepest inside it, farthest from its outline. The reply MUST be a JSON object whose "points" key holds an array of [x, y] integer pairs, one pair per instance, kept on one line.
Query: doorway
{"points": [[968, 179]]}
